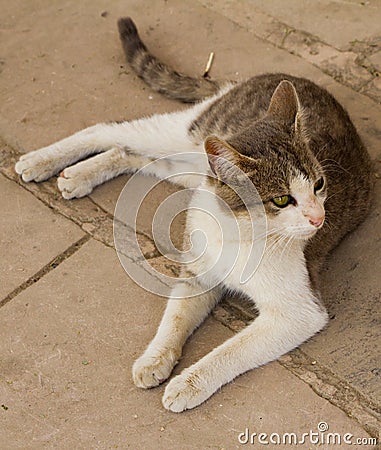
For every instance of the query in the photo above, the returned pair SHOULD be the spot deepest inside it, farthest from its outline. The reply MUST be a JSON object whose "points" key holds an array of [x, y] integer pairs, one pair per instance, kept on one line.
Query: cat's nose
{"points": [[316, 221], [314, 212]]}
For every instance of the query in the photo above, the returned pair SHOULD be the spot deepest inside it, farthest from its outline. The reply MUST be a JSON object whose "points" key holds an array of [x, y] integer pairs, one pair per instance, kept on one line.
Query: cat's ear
{"points": [[222, 157], [285, 105]]}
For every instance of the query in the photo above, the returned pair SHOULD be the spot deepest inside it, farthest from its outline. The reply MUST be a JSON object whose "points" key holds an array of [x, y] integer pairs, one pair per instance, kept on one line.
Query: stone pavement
{"points": [[72, 322]]}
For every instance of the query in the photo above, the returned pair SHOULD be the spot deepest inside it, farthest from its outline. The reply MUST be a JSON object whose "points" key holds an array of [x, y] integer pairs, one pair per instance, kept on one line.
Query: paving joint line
{"points": [[344, 77], [98, 226], [337, 391], [50, 266], [349, 67], [83, 225]]}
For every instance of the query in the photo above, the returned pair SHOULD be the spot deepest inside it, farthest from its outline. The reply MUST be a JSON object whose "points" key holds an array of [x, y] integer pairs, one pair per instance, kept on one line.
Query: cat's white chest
{"points": [[222, 253], [219, 252]]}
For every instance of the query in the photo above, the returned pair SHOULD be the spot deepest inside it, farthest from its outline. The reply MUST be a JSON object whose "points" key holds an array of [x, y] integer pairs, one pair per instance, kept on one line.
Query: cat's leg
{"points": [[155, 137], [42, 164], [278, 329], [181, 317], [79, 180]]}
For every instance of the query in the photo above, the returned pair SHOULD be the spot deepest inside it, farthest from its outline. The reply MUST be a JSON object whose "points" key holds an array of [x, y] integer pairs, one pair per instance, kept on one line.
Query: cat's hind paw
{"points": [[151, 370], [34, 167], [185, 392], [74, 183]]}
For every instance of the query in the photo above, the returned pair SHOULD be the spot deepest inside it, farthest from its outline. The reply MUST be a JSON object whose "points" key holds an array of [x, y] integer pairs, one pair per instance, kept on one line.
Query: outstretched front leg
{"points": [[42, 164], [142, 141], [279, 328], [185, 311], [79, 180]]}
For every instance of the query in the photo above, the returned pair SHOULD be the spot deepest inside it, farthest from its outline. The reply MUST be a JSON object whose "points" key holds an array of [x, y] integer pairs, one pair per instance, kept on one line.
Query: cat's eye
{"points": [[283, 201], [319, 185]]}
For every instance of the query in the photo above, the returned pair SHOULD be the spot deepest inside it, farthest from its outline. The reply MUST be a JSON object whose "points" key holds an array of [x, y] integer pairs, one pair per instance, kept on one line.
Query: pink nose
{"points": [[317, 221]]}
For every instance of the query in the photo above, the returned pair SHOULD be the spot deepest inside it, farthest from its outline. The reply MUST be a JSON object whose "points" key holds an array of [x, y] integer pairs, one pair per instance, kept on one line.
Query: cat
{"points": [[294, 142]]}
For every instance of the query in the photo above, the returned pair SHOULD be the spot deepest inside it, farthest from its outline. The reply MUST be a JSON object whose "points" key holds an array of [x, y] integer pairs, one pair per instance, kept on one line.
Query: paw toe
{"points": [[73, 186], [182, 393], [32, 167], [150, 371]]}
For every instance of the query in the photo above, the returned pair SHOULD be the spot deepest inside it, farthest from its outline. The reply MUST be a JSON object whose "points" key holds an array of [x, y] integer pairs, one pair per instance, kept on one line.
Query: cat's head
{"points": [[274, 154]]}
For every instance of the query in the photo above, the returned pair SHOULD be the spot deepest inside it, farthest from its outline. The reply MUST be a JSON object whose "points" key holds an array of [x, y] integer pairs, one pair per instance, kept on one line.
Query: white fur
{"points": [[289, 311], [153, 137]]}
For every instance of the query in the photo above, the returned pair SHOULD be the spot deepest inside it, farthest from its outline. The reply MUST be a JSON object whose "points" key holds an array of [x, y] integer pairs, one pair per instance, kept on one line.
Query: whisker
{"points": [[335, 163], [276, 244], [270, 233], [287, 246], [327, 223], [335, 193], [324, 147], [270, 246]]}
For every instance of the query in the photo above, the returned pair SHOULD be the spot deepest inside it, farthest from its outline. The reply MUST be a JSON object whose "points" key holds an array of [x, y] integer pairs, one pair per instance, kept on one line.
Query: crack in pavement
{"points": [[351, 67], [55, 262], [86, 213]]}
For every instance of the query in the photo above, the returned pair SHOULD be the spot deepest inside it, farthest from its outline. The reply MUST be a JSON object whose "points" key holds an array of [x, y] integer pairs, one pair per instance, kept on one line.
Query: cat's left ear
{"points": [[224, 161], [285, 105]]}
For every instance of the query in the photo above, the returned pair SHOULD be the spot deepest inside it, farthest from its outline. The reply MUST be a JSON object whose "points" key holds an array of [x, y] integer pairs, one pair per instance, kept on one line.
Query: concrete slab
{"points": [[56, 78], [65, 378], [93, 83], [351, 344], [31, 235], [351, 65], [334, 21], [107, 195], [376, 60]]}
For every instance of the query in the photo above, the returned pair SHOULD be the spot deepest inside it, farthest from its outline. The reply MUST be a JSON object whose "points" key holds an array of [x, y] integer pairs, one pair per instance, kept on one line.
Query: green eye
{"points": [[319, 184], [283, 201]]}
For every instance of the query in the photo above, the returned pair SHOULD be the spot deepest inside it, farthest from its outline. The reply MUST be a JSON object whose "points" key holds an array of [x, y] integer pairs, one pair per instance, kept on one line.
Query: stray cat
{"points": [[298, 147]]}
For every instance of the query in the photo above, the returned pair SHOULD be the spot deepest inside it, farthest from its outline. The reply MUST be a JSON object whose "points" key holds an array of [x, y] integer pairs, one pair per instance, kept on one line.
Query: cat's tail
{"points": [[157, 75]]}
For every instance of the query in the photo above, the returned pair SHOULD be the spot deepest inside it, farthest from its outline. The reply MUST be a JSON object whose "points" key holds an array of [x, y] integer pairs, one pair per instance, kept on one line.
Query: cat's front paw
{"points": [[151, 370], [34, 166], [185, 392], [75, 183]]}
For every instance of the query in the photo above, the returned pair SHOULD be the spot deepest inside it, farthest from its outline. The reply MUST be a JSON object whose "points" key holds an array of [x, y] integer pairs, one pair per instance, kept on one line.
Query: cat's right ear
{"points": [[285, 105], [222, 157]]}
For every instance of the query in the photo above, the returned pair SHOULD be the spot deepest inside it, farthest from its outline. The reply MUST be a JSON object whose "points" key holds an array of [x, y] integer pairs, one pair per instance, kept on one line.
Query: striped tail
{"points": [[157, 75]]}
